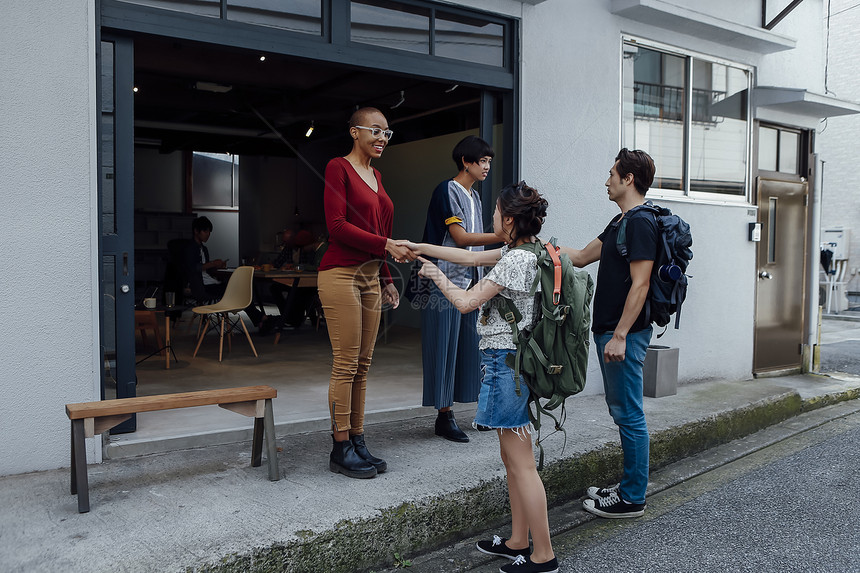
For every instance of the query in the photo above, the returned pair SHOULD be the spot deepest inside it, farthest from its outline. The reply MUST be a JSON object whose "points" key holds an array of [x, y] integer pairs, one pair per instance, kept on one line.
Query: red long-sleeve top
{"points": [[358, 219]]}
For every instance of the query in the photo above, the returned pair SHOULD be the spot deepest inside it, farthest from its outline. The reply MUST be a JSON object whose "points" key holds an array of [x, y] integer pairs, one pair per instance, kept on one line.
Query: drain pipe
{"points": [[812, 360]]}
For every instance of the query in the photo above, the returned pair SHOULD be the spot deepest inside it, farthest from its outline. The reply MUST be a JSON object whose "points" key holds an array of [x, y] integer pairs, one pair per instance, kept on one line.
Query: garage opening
{"points": [[267, 123]]}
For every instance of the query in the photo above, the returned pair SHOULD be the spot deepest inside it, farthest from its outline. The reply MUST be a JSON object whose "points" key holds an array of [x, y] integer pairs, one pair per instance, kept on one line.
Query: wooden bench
{"points": [[91, 418]]}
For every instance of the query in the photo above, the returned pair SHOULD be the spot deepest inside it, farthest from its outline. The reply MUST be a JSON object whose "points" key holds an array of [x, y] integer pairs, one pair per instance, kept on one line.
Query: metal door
{"points": [[780, 290], [116, 222]]}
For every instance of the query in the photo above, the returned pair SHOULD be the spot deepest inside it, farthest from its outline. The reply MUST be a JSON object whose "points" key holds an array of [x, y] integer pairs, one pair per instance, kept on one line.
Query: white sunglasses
{"points": [[377, 131]]}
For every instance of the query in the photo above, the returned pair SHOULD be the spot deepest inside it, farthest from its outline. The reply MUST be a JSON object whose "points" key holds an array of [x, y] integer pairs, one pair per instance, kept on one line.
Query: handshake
{"points": [[403, 251]]}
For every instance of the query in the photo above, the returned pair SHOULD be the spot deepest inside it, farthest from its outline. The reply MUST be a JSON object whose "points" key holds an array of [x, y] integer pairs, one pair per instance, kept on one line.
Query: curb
{"points": [[431, 523]]}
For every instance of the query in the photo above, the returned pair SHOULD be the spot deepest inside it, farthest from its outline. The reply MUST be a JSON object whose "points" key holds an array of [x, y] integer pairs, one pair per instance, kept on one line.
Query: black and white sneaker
{"points": [[497, 546], [523, 564], [601, 492], [613, 507]]}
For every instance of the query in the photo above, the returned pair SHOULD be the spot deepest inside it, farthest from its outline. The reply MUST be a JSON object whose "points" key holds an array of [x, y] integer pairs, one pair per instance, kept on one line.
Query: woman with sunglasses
{"points": [[359, 215]]}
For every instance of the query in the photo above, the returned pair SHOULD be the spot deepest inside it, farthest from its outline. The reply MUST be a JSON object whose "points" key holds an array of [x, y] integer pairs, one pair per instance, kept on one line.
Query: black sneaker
{"points": [[601, 492], [523, 564], [497, 546], [613, 507]]}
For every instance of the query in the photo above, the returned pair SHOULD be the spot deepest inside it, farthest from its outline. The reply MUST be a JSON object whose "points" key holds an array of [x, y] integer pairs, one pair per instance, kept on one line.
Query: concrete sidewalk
{"points": [[206, 509]]}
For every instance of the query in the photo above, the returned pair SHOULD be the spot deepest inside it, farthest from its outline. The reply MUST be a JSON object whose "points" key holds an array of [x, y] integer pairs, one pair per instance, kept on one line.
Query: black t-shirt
{"points": [[613, 274]]}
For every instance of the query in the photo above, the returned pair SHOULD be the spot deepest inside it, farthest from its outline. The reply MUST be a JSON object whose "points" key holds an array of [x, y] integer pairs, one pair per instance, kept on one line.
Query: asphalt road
{"points": [[791, 507], [840, 346], [841, 357]]}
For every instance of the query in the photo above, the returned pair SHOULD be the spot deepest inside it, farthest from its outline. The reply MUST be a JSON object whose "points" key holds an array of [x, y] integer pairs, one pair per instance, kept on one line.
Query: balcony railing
{"points": [[667, 102]]}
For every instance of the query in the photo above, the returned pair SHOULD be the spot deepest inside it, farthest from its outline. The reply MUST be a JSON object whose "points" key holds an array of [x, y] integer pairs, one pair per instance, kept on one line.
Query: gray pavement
{"points": [[710, 511], [744, 516], [206, 509], [840, 343]]}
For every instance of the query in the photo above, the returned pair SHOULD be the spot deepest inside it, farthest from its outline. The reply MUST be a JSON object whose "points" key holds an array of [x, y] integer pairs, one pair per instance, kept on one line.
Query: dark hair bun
{"points": [[527, 207]]}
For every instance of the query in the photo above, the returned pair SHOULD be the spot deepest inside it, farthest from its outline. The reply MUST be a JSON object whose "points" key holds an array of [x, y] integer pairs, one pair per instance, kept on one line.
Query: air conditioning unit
{"points": [[837, 240]]}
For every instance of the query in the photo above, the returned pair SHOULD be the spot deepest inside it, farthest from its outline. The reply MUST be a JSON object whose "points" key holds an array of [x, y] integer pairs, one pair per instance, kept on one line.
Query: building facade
{"points": [[728, 108], [838, 136]]}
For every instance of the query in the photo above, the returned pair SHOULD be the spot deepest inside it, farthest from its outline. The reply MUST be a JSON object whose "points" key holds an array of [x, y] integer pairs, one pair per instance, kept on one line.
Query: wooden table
{"points": [[291, 278], [167, 345], [287, 277]]}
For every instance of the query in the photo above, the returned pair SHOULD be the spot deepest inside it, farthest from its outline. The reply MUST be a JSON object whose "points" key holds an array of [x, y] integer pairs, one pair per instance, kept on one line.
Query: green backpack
{"points": [[552, 358]]}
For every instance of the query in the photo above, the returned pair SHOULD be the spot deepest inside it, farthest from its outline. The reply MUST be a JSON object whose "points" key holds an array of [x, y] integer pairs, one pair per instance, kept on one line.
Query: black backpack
{"points": [[552, 357], [668, 285]]}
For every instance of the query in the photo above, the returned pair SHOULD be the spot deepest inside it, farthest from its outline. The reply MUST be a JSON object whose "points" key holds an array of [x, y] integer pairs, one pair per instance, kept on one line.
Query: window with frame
{"points": [[691, 115], [779, 149], [303, 16], [416, 26], [424, 29], [214, 180]]}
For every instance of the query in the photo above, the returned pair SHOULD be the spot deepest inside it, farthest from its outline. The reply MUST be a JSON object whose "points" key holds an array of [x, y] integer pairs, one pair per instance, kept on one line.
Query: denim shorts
{"points": [[498, 403]]}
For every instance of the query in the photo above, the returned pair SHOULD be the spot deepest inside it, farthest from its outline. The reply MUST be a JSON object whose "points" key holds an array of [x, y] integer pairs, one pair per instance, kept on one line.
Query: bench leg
{"points": [[269, 421], [257, 444], [79, 467], [73, 485]]}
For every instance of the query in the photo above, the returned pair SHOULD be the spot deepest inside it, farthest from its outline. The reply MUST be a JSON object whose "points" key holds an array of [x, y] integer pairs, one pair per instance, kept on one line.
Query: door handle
{"points": [[765, 275]]}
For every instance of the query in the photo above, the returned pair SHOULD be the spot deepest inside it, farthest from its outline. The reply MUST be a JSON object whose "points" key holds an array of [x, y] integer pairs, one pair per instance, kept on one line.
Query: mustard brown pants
{"points": [[352, 301]]}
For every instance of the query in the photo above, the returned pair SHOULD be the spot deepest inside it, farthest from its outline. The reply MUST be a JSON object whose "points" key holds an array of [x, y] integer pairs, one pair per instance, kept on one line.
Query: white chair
{"points": [[237, 297]]}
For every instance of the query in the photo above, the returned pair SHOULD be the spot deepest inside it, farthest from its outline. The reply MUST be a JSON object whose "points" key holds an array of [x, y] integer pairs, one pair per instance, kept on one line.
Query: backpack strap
{"points": [[512, 316], [556, 277], [621, 239], [621, 244], [534, 248]]}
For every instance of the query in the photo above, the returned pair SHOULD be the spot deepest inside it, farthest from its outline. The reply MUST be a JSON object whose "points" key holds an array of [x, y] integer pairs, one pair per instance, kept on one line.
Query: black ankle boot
{"points": [[361, 450], [345, 460], [447, 427]]}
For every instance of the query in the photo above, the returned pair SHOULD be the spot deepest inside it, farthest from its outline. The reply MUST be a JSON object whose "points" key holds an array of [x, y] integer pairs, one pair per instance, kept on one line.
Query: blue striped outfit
{"points": [[449, 342]]}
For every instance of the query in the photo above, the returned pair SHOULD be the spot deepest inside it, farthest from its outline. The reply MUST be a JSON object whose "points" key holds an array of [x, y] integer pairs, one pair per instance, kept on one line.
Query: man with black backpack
{"points": [[620, 327]]}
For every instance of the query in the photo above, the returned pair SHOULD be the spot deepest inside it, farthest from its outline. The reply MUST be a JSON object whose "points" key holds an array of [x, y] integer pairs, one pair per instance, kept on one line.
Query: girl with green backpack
{"points": [[518, 218]]}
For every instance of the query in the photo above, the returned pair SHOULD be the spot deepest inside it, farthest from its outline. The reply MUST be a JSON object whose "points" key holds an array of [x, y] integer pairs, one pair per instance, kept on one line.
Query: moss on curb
{"points": [[830, 399], [412, 528]]}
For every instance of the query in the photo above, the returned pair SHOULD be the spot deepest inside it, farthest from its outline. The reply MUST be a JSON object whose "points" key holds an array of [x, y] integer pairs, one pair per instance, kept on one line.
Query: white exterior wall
{"points": [[570, 124], [840, 205], [48, 232], [571, 59], [802, 67]]}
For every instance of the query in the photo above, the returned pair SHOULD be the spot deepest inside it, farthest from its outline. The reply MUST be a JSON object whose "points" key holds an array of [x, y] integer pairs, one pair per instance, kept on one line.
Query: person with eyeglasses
{"points": [[354, 281], [620, 329], [449, 340]]}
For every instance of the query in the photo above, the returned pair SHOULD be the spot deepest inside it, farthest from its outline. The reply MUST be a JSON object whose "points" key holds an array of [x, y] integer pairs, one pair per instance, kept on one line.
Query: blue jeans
{"points": [[622, 383]]}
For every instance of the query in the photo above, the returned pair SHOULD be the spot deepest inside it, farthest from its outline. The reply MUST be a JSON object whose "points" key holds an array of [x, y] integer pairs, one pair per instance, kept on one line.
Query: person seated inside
{"points": [[293, 304], [205, 287]]}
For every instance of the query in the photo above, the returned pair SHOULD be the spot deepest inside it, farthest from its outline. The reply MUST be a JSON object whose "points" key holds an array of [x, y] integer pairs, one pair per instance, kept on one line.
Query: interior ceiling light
{"points": [[310, 130], [212, 87], [452, 88], [135, 89], [402, 99], [262, 58]]}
